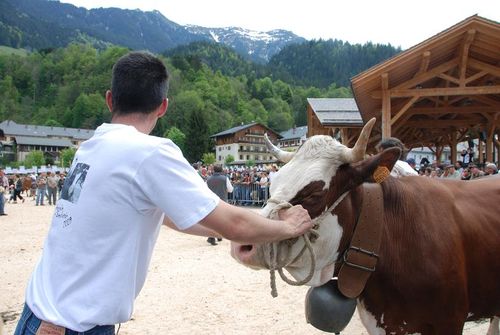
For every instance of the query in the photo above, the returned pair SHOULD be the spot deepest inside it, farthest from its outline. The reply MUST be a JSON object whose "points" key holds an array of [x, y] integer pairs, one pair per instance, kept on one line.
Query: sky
{"points": [[398, 22]]}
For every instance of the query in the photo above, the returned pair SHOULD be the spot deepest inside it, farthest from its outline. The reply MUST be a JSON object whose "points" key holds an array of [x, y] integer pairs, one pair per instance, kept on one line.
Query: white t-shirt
{"points": [[401, 169], [104, 228]]}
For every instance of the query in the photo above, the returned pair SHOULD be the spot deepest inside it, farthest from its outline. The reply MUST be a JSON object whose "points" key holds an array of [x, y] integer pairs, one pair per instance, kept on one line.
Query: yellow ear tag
{"points": [[381, 173]]}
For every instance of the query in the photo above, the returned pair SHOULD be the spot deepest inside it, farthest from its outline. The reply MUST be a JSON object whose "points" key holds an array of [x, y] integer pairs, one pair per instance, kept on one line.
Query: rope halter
{"points": [[309, 238]]}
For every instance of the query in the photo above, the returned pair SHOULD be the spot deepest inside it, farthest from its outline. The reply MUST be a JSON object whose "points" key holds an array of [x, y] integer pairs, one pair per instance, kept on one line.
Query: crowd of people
{"points": [[250, 185], [42, 188], [459, 170]]}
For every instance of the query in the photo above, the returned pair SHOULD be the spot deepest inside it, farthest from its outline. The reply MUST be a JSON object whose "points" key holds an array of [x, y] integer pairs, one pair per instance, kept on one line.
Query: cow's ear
{"points": [[377, 168]]}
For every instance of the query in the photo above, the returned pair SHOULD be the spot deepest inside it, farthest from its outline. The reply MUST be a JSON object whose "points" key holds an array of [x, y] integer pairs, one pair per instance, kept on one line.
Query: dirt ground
{"points": [[192, 287]]}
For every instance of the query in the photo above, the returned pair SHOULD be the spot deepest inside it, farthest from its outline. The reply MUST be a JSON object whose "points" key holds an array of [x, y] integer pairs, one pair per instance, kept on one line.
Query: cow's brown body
{"points": [[439, 257]]}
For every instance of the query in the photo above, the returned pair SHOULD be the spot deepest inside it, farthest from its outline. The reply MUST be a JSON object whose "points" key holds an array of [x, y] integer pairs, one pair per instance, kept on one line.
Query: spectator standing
{"points": [[263, 186], [4, 185], [33, 186], [467, 156], [41, 188], [60, 182], [17, 189], [52, 187], [424, 162], [220, 184]]}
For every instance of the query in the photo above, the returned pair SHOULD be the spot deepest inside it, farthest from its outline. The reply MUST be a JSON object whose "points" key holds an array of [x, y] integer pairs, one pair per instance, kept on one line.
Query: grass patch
{"points": [[4, 50]]}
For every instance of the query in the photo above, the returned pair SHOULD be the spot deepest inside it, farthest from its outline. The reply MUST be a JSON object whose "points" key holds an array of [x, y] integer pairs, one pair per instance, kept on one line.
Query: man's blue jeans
{"points": [[40, 194], [28, 325], [2, 203]]}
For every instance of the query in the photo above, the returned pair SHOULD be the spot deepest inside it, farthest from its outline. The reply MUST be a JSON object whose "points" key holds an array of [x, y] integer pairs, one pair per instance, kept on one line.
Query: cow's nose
{"points": [[244, 253]]}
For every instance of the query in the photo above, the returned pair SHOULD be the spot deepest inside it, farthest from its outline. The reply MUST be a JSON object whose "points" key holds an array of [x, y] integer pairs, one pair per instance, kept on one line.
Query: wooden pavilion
{"points": [[440, 92], [337, 117]]}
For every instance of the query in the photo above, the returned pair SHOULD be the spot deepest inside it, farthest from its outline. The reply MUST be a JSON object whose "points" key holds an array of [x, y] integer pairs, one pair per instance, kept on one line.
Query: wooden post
{"points": [[386, 106], [453, 146], [439, 152], [480, 151], [489, 143]]}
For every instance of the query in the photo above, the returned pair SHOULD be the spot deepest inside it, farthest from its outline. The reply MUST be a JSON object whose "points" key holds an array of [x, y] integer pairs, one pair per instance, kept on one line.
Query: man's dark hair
{"points": [[391, 142], [139, 84], [217, 168]]}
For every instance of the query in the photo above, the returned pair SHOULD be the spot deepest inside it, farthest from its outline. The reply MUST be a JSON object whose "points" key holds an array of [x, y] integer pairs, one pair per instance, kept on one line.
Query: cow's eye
{"points": [[316, 196]]}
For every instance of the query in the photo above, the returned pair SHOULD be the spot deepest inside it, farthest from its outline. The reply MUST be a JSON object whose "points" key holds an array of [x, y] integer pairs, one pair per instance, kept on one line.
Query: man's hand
{"points": [[298, 218]]}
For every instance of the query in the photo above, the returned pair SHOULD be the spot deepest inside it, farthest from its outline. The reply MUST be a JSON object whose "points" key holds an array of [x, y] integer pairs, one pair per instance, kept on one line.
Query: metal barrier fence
{"points": [[249, 195]]}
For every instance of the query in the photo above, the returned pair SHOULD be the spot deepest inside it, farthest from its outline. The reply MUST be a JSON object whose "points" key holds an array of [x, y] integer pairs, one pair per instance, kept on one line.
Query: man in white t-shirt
{"points": [[97, 252], [402, 168]]}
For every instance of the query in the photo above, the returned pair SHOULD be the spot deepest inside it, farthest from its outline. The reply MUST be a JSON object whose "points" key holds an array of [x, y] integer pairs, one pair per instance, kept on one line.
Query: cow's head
{"points": [[317, 176]]}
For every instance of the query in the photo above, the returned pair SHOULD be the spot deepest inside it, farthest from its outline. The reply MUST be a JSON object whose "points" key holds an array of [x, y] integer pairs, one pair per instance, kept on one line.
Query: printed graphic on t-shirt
{"points": [[74, 183]]}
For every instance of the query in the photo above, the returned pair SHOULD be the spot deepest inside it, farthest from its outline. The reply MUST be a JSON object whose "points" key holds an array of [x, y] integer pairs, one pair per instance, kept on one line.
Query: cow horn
{"points": [[282, 155], [357, 153]]}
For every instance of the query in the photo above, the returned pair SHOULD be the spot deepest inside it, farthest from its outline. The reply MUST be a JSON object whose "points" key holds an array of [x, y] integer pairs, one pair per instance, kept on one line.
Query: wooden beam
{"points": [[404, 109], [402, 122], [494, 70], [475, 76], [452, 101], [452, 109], [449, 78], [386, 106], [444, 124], [486, 100], [436, 101], [438, 91], [432, 73], [424, 63], [464, 55]]}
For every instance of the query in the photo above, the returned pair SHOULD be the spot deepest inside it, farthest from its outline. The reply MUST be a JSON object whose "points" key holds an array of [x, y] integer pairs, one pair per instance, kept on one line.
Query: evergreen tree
{"points": [[197, 136]]}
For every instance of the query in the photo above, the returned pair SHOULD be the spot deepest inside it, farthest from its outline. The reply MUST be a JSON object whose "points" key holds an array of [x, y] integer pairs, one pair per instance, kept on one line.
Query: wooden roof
{"points": [[336, 112], [448, 85], [234, 130]]}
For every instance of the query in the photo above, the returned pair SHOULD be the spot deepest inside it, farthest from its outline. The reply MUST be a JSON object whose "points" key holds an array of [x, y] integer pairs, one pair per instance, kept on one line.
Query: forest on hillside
{"points": [[66, 86], [211, 89]]}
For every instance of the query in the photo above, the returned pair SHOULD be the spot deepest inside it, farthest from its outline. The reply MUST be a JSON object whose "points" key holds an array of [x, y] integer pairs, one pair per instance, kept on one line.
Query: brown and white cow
{"points": [[439, 256]]}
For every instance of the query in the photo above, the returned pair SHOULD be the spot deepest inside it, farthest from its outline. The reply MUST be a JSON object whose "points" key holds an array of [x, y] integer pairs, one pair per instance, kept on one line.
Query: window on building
{"points": [[241, 157], [248, 157]]}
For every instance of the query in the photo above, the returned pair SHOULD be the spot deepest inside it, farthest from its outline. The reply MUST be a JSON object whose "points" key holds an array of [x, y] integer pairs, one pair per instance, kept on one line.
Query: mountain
{"points": [[39, 24], [258, 45]]}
